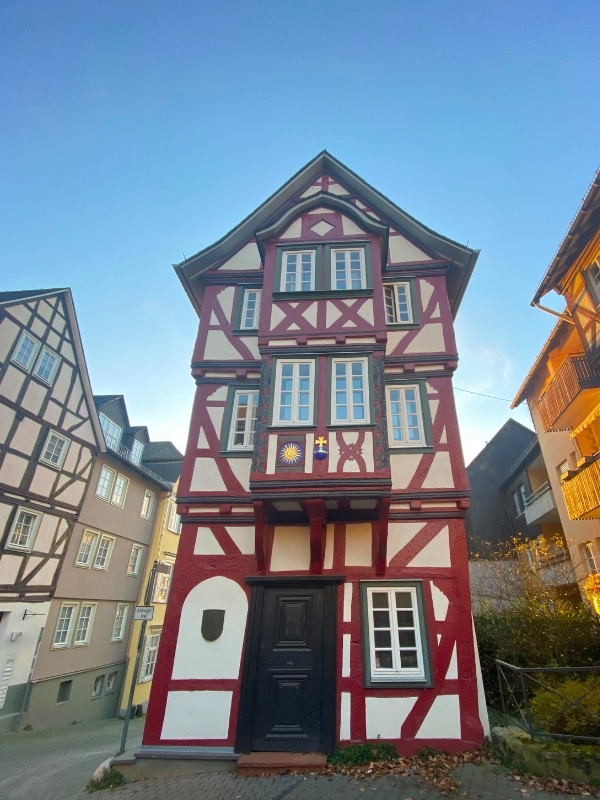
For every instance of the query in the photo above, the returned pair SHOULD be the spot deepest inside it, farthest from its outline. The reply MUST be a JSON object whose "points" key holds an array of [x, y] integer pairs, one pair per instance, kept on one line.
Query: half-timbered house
{"points": [[49, 434], [321, 590]]}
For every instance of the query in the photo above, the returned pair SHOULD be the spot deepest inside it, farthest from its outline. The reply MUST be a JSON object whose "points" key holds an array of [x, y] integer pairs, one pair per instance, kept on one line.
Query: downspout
{"points": [[565, 317]]}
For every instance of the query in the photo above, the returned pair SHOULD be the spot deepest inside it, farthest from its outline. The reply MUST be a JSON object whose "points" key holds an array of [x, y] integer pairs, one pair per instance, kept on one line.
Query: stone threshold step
{"points": [[279, 763]]}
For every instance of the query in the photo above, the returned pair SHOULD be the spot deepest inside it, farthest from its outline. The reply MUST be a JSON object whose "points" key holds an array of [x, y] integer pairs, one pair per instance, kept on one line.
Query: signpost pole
{"points": [[138, 656]]}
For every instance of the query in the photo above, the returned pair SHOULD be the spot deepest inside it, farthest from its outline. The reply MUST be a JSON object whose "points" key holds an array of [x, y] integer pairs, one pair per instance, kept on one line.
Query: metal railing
{"points": [[126, 453], [518, 686], [574, 375]]}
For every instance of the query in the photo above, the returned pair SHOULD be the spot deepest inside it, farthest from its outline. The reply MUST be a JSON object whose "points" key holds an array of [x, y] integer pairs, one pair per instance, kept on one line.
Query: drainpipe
{"points": [[565, 317]]}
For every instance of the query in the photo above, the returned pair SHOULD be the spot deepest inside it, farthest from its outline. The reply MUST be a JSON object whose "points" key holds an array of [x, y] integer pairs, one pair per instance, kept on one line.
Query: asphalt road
{"points": [[56, 763]]}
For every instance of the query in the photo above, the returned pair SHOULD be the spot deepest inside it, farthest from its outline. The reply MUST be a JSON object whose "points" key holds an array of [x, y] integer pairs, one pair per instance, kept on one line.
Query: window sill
{"points": [[342, 426], [233, 454], [398, 684], [245, 331], [402, 326], [318, 294], [403, 449]]}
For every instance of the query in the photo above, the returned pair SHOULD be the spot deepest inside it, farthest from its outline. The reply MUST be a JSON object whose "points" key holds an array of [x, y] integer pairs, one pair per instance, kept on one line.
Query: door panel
{"points": [[288, 696]]}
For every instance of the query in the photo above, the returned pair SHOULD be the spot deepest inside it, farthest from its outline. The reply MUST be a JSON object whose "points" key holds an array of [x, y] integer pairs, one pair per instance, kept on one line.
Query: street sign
{"points": [[144, 613]]}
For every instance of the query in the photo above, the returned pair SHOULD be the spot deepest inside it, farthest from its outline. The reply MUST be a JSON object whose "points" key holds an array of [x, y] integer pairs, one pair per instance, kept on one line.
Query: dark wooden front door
{"points": [[288, 699]]}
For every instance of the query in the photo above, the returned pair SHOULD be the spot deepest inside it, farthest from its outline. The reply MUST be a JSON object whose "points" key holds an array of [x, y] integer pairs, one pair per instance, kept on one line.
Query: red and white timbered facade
{"points": [[321, 592]]}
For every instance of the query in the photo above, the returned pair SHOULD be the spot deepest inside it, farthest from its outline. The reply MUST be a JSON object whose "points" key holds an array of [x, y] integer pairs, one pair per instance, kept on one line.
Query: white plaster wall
{"points": [[430, 339], [345, 717], [294, 231], [403, 468], [436, 553], [34, 397], [206, 543], [243, 537], [246, 258], [9, 331], [206, 476], [443, 719], [401, 250], [291, 548], [43, 480], [219, 347], [7, 416], [26, 435], [358, 545], [346, 655], [385, 716], [350, 227], [348, 587], [13, 469], [197, 715], [194, 656], [440, 603], [241, 469], [440, 472], [26, 632], [399, 535], [12, 383]]}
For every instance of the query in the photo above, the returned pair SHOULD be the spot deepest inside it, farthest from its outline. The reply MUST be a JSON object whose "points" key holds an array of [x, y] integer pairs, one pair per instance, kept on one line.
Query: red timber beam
{"points": [[380, 535], [260, 538], [317, 514]]}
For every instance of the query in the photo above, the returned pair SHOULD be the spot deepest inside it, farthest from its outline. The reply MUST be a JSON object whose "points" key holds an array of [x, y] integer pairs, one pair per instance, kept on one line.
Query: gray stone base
{"points": [[575, 762]]}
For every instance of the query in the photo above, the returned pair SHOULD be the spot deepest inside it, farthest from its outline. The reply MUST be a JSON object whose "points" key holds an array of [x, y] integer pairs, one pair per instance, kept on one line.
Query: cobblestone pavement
{"points": [[477, 783], [56, 763]]}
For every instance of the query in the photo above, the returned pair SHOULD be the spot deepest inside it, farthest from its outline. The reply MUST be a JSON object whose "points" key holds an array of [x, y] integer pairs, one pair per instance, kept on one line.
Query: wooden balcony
{"points": [[570, 396], [582, 491]]}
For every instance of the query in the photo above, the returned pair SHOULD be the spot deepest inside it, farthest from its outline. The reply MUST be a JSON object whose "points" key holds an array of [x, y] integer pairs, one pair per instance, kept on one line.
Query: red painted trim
{"points": [[382, 535], [259, 536]]}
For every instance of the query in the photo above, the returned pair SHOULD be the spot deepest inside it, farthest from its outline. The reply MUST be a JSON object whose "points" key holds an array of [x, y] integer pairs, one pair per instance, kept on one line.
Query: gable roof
{"points": [[583, 228], [512, 435], [21, 296], [461, 258]]}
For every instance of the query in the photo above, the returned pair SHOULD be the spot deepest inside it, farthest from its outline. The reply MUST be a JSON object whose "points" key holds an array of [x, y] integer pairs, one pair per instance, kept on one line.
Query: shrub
{"points": [[355, 755], [109, 780], [552, 713]]}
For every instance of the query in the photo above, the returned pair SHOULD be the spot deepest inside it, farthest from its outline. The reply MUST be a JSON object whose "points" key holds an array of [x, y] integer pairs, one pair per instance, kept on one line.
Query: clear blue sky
{"points": [[132, 133]]}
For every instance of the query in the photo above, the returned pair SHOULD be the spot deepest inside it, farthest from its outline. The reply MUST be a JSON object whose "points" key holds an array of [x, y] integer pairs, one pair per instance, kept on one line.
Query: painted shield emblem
{"points": [[212, 623]]}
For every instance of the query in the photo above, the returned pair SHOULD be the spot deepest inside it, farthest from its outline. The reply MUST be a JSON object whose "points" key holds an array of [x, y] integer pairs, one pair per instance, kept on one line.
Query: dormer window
{"points": [[137, 449], [112, 432], [250, 309]]}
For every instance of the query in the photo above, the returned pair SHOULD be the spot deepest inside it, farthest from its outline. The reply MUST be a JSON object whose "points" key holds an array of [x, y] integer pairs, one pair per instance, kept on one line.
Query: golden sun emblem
{"points": [[290, 453]]}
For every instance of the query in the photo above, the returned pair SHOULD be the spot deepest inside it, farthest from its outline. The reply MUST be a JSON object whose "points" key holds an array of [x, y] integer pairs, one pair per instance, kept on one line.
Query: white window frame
{"points": [[121, 614], [162, 584], [113, 433], [98, 687], [110, 540], [66, 633], [31, 356], [111, 680], [589, 558], [394, 312], [85, 555], [250, 315], [296, 284], [119, 490], [592, 276], [375, 674], [295, 392], [83, 635], [105, 483], [149, 657], [348, 267], [51, 375], [401, 416], [351, 418], [173, 520], [248, 423], [16, 529], [50, 447], [137, 451], [519, 496], [147, 504], [135, 559]]}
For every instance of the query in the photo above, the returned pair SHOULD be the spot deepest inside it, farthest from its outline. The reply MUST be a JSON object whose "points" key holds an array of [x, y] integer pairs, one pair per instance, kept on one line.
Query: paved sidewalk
{"points": [[477, 783], [56, 763]]}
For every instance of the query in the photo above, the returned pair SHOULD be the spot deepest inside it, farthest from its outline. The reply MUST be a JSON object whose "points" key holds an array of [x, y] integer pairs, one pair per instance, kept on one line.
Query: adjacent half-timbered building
{"points": [[321, 590], [49, 434]]}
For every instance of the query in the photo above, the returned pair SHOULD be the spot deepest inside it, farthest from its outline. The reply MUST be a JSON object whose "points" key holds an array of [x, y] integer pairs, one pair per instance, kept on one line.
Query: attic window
{"points": [[112, 432], [136, 451], [592, 276]]}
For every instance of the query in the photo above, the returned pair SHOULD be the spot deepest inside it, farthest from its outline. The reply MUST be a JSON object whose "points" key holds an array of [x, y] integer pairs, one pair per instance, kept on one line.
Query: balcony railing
{"points": [[574, 376], [540, 504], [126, 453], [582, 490]]}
